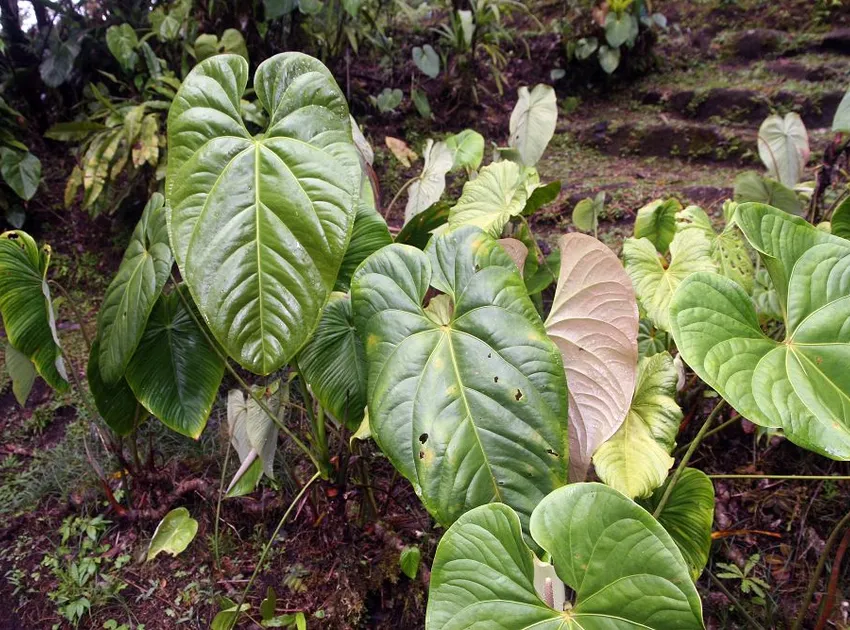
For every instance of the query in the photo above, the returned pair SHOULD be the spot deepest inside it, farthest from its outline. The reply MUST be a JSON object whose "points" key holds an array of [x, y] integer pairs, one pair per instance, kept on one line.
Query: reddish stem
{"points": [[829, 602]]}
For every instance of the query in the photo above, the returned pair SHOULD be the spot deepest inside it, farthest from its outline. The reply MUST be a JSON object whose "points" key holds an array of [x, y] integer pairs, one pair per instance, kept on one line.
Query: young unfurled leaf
{"points": [[516, 250], [656, 221], [636, 459], [650, 340], [472, 410], [783, 145], [688, 516], [594, 323], [173, 534], [690, 251], [532, 123], [625, 569], [134, 290], [429, 186], [26, 306], [260, 224]]}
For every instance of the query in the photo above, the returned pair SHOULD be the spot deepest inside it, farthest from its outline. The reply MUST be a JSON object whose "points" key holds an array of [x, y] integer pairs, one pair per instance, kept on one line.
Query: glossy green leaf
{"points": [[656, 221], [750, 186], [428, 187], [115, 402], [467, 149], [427, 60], [624, 568], [543, 195], [765, 297], [206, 45], [468, 401], [690, 251], [260, 225], [409, 561], [490, 200], [173, 534], [783, 145], [799, 385], [134, 290], [370, 234], [636, 459], [417, 231], [21, 371], [688, 516], [728, 250], [26, 306], [532, 122], [174, 372], [21, 170], [594, 323], [840, 223], [334, 363], [233, 42], [122, 42]]}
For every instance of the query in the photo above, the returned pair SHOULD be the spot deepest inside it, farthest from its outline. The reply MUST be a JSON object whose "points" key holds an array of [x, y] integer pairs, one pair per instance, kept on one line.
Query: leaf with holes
{"points": [[174, 372], [467, 396], [801, 384], [623, 566], [259, 224], [688, 516], [532, 122], [636, 459], [134, 290], [594, 323], [654, 280], [26, 306], [783, 145]]}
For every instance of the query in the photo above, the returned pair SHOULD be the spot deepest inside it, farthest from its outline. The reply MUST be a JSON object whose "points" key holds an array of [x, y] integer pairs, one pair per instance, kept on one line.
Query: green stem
{"points": [[787, 477], [715, 430], [322, 439], [406, 185], [813, 581], [735, 602], [257, 398], [268, 546], [681, 467], [218, 507]]}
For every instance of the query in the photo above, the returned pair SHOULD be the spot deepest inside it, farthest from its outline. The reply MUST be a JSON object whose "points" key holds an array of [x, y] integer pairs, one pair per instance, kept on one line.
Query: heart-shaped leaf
{"points": [[636, 459], [115, 402], [134, 290], [334, 364], [609, 58], [690, 251], [467, 397], [21, 371], [427, 60], [173, 534], [586, 213], [26, 306], [594, 323], [21, 170], [750, 186], [800, 385], [624, 568], [656, 221], [619, 27], [467, 149], [728, 251], [490, 200], [688, 516], [585, 47], [532, 122], [174, 372], [427, 189], [260, 224], [784, 147]]}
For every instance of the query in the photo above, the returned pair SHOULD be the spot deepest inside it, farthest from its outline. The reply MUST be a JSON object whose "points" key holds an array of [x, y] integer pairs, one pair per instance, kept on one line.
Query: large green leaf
{"points": [[134, 290], [728, 250], [750, 186], [801, 384], [690, 251], [533, 122], [594, 323], [623, 566], [334, 364], [26, 306], [259, 224], [490, 200], [174, 372], [783, 145], [115, 402], [467, 397], [688, 516], [657, 222], [21, 170], [370, 234], [636, 459]]}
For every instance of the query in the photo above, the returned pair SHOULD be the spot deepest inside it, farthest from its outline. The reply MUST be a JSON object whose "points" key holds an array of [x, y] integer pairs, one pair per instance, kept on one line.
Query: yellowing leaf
{"points": [[401, 151], [173, 534]]}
